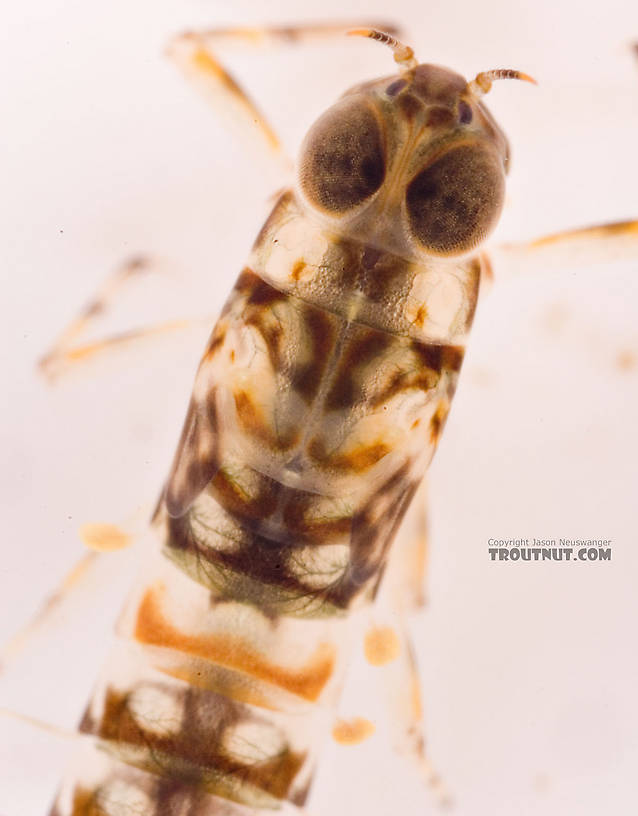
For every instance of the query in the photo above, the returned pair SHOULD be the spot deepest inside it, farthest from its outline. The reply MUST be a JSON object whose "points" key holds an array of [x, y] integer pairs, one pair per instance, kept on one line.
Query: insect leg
{"points": [[71, 580], [96, 307], [404, 581], [195, 53], [66, 348], [571, 248], [402, 684], [71, 348], [262, 36], [40, 725], [388, 644], [99, 539], [61, 359]]}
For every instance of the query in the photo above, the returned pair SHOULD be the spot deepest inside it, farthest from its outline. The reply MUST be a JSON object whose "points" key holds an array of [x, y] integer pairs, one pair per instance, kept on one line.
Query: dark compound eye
{"points": [[343, 157], [453, 204]]}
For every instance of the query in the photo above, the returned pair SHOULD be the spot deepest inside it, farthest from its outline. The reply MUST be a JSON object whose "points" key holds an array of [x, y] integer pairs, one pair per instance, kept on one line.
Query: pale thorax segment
{"points": [[429, 300]]}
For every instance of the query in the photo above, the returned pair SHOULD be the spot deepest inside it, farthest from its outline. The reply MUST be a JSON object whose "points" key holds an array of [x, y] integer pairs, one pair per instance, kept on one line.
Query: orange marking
{"points": [[421, 317], [104, 537], [254, 423], [626, 360], [84, 802], [297, 269], [233, 652], [438, 420], [358, 460], [251, 417], [352, 732], [381, 645]]}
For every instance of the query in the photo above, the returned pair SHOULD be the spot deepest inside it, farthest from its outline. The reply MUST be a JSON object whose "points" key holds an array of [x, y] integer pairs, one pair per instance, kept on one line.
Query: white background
{"points": [[529, 670]]}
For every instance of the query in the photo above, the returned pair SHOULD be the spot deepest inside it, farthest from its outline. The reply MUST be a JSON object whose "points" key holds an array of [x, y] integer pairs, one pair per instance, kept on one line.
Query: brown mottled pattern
{"points": [[192, 473], [316, 381], [298, 525], [165, 797], [316, 409], [192, 747], [274, 564], [347, 388], [306, 374], [352, 372]]}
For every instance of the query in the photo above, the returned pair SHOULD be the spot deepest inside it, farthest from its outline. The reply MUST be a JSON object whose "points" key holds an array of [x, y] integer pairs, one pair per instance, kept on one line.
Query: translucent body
{"points": [[315, 412]]}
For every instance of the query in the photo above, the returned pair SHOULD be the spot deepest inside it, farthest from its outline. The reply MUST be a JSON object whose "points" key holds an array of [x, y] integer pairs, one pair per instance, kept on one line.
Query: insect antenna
{"points": [[482, 82], [403, 54]]}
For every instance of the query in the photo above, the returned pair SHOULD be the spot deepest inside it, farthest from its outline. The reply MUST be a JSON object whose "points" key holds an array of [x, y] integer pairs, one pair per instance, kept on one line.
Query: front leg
{"points": [[196, 55]]}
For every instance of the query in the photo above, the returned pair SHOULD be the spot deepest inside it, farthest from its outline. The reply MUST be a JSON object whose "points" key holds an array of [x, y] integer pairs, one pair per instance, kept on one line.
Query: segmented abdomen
{"points": [[315, 411]]}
